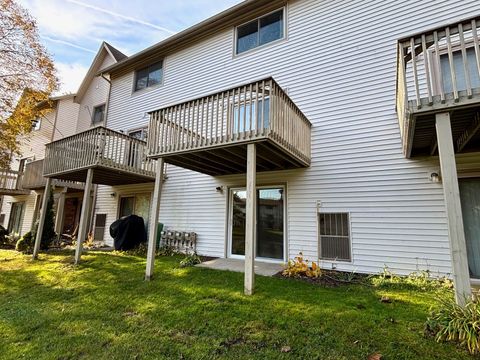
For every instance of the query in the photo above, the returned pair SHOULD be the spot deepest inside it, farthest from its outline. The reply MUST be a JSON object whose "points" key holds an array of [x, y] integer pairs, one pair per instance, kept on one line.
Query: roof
{"points": [[105, 49], [232, 16]]}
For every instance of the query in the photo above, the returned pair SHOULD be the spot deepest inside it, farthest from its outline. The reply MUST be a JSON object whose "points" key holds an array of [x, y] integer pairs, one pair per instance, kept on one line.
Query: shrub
{"points": [[299, 267], [167, 250], [48, 234], [415, 280], [190, 260], [452, 322], [3, 236], [26, 243]]}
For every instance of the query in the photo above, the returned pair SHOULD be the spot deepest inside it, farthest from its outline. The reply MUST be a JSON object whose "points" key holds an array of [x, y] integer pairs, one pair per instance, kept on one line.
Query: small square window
{"points": [[36, 124], [334, 236], [260, 31], [149, 76], [98, 114]]}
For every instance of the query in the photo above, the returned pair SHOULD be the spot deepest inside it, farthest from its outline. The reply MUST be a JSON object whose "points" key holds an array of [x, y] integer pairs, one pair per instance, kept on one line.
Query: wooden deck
{"points": [[33, 178], [425, 88], [210, 134], [11, 183], [117, 159]]}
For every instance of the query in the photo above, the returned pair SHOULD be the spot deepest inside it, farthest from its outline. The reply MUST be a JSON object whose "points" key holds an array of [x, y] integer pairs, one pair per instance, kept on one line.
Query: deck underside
{"points": [[104, 176], [14, 192], [226, 160]]}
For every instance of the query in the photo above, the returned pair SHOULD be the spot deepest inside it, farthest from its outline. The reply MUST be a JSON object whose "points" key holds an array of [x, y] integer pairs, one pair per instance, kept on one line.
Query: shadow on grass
{"points": [[103, 308]]}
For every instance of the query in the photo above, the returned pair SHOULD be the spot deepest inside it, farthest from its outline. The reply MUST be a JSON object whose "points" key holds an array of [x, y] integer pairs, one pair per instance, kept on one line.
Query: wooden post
{"points": [[43, 215], [250, 223], [59, 212], [84, 215], [456, 235], [153, 227]]}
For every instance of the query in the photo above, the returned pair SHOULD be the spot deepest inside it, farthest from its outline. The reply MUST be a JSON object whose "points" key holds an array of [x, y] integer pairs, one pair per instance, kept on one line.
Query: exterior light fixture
{"points": [[434, 177]]}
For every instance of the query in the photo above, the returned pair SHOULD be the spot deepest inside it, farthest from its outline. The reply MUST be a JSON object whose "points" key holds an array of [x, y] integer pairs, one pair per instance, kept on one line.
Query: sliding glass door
{"points": [[270, 223]]}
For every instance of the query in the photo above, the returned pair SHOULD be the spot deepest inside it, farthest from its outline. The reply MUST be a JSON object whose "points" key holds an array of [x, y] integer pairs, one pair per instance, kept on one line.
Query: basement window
{"points": [[334, 236], [261, 31], [148, 76]]}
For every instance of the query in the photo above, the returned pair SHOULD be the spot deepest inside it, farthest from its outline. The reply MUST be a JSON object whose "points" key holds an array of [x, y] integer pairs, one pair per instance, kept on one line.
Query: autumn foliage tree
{"points": [[27, 77]]}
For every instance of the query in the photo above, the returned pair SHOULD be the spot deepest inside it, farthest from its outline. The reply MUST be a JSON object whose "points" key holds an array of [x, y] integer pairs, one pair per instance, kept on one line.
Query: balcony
{"points": [[438, 71], [210, 134], [116, 158], [33, 178], [11, 183]]}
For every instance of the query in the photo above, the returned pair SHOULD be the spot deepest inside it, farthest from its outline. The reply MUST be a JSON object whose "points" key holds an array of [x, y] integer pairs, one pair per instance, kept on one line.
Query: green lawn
{"points": [[103, 309]]}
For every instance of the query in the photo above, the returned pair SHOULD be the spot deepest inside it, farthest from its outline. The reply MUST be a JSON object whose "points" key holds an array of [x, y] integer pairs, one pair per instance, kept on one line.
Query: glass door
{"points": [[270, 223], [470, 198]]}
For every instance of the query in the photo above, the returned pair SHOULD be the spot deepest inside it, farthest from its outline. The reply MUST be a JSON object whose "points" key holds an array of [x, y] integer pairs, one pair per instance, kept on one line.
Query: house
{"points": [[320, 127], [23, 185]]}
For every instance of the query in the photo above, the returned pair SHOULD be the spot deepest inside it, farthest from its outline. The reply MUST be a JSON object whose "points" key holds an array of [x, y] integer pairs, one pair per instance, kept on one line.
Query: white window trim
{"points": [[326, 210], [261, 47]]}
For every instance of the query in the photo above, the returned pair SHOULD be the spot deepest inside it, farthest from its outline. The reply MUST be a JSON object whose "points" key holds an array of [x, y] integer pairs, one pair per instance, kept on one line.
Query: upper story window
{"points": [[459, 70], [98, 114], [260, 31], [149, 76], [36, 124]]}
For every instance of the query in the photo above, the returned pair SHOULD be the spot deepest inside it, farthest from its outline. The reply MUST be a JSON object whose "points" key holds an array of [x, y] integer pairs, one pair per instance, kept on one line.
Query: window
{"points": [[149, 76], [16, 217], [36, 123], [98, 114], [459, 71], [251, 124], [260, 31], [100, 222], [334, 236], [127, 206], [140, 134]]}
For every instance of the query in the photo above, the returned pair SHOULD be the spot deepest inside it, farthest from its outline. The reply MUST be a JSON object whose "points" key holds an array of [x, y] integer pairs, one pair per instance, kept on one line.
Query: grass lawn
{"points": [[102, 309]]}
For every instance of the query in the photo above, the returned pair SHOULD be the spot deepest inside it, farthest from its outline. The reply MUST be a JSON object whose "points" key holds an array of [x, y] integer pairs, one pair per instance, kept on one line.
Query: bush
{"points": [[299, 268], [190, 260], [26, 243], [452, 322], [415, 280], [3, 236]]}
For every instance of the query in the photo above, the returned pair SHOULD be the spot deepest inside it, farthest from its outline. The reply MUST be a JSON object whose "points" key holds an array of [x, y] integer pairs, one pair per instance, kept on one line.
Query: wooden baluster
{"points": [[426, 64], [262, 110], [439, 67], [415, 73], [452, 66], [250, 106], [183, 129], [477, 45], [468, 82], [244, 111]]}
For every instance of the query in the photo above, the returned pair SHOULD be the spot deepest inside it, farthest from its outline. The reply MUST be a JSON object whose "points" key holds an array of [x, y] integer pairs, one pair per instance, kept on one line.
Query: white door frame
{"points": [[230, 223]]}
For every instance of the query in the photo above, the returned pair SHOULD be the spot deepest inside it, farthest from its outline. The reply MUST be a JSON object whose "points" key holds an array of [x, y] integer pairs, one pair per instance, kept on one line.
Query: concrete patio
{"points": [[237, 265]]}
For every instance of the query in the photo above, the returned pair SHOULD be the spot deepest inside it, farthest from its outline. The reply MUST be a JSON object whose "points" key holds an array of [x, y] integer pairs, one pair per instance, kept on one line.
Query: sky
{"points": [[72, 30]]}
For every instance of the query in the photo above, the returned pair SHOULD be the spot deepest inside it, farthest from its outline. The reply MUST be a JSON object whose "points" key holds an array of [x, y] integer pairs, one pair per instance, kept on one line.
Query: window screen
{"points": [[98, 114], [334, 236]]}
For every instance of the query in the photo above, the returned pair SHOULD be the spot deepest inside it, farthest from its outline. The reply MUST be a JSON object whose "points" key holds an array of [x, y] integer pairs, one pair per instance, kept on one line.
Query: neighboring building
{"points": [[331, 79], [23, 185]]}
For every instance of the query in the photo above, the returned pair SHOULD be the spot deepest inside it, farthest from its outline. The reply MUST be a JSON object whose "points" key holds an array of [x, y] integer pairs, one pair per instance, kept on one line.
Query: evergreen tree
{"points": [[48, 234]]}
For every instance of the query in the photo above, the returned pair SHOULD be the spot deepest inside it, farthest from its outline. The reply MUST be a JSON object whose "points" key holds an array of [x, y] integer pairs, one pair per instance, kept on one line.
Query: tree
{"points": [[27, 77], [48, 234]]}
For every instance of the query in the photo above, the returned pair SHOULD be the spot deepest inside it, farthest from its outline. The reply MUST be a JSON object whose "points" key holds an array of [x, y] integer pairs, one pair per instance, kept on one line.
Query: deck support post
{"points": [[250, 221], [43, 215], [84, 215], [59, 212], [456, 235], [153, 225]]}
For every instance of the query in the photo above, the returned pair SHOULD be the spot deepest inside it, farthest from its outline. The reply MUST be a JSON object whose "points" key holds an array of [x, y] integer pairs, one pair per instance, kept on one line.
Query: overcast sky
{"points": [[72, 30]]}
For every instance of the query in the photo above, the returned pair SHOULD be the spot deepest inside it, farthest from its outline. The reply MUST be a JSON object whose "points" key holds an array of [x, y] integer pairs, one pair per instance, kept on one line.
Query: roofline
{"points": [[235, 14], [62, 97]]}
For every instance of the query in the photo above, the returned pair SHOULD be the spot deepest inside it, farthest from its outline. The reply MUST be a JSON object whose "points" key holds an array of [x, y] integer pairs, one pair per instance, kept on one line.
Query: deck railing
{"points": [[11, 180], [437, 69], [33, 178], [251, 112], [98, 147]]}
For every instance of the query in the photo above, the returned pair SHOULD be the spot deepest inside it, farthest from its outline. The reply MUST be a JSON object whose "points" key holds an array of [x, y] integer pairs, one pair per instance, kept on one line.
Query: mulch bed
{"points": [[207, 258], [330, 278]]}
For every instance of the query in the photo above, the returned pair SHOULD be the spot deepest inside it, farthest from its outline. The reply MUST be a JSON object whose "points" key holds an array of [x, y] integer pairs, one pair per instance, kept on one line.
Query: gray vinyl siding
{"points": [[338, 64]]}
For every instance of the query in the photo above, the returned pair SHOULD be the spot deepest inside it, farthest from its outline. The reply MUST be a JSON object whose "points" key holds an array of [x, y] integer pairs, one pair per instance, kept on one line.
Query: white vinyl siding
{"points": [[347, 90]]}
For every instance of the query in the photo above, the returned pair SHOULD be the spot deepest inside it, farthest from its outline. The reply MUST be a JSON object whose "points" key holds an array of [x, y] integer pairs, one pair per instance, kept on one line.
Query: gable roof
{"points": [[235, 15], [105, 50]]}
